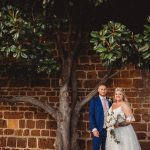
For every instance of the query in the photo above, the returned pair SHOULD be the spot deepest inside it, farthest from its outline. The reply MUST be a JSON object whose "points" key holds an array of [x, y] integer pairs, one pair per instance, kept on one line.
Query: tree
{"points": [[25, 42]]}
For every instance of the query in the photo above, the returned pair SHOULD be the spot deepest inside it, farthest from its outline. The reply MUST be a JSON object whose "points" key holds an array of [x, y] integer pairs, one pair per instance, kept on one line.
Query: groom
{"points": [[98, 108]]}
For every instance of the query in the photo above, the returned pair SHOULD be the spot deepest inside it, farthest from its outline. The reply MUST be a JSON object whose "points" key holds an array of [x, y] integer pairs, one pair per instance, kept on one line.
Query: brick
{"points": [[12, 142], [32, 143], [8, 131], [40, 124], [52, 133], [83, 94], [55, 83], [101, 74], [53, 99], [146, 105], [13, 93], [22, 142], [141, 136], [26, 132], [124, 74], [135, 73], [89, 145], [51, 93], [18, 83], [141, 111], [13, 108], [13, 123], [21, 123], [140, 126], [84, 59], [45, 133], [30, 93], [86, 117], [19, 132], [2, 142], [92, 75], [137, 118], [22, 108], [123, 83], [40, 115], [81, 75], [100, 67], [95, 59], [51, 125], [35, 133], [13, 115], [149, 127], [43, 99], [4, 108], [46, 143], [3, 123], [30, 124], [34, 109], [1, 131], [138, 83], [1, 115], [89, 67], [131, 94], [90, 83], [44, 82], [146, 117], [81, 125], [145, 145], [81, 144], [22, 93], [41, 93], [86, 135], [136, 105], [80, 83], [29, 115]]}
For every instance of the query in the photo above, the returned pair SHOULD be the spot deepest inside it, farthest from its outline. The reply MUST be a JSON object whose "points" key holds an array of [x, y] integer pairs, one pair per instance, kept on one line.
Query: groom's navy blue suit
{"points": [[96, 113]]}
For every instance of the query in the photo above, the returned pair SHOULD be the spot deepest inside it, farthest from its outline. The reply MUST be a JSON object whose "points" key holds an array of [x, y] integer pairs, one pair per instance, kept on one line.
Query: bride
{"points": [[122, 136]]}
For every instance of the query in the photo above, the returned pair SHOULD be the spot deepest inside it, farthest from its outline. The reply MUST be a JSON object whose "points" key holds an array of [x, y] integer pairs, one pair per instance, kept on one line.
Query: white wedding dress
{"points": [[126, 135]]}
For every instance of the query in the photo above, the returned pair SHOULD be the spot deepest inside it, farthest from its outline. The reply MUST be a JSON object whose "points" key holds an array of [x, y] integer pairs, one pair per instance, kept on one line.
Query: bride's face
{"points": [[118, 96]]}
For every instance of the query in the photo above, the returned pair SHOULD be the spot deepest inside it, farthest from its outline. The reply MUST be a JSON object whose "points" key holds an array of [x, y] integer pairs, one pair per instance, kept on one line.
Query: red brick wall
{"points": [[26, 127]]}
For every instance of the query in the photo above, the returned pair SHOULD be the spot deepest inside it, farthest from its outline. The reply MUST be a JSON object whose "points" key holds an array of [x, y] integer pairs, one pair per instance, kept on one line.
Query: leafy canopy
{"points": [[25, 29], [23, 42], [117, 46]]}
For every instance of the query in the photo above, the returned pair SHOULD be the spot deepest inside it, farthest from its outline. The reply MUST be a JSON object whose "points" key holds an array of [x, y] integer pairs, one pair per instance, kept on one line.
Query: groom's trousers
{"points": [[100, 141]]}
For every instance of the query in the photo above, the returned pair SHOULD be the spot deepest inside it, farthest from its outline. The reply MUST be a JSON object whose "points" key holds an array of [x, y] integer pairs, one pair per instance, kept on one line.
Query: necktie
{"points": [[104, 104]]}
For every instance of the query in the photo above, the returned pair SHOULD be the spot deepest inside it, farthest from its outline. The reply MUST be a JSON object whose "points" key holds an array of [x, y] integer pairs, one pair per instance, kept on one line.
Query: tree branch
{"points": [[94, 91], [69, 36], [53, 112], [73, 73], [60, 45]]}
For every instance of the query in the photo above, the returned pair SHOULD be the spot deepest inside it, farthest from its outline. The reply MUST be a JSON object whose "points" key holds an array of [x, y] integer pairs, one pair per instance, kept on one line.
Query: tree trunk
{"points": [[63, 122]]}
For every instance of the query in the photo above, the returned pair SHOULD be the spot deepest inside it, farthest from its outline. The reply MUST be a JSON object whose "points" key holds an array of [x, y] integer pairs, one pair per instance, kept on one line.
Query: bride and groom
{"points": [[119, 136]]}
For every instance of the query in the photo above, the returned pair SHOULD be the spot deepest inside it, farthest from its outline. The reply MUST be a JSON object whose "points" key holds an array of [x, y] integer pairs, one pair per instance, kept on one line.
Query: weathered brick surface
{"points": [[46, 143], [34, 129]]}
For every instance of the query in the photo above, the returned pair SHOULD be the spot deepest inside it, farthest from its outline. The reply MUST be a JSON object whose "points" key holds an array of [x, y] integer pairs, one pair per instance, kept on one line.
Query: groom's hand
{"points": [[96, 133]]}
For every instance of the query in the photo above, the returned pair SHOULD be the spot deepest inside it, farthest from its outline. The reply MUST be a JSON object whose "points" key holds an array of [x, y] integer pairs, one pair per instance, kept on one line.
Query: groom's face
{"points": [[102, 90]]}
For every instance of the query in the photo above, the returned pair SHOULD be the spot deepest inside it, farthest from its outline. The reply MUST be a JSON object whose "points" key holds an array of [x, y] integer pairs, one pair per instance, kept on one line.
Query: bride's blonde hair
{"points": [[123, 93]]}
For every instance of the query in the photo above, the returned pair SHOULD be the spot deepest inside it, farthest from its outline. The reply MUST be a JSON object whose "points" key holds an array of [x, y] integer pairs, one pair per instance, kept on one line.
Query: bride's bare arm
{"points": [[128, 112]]}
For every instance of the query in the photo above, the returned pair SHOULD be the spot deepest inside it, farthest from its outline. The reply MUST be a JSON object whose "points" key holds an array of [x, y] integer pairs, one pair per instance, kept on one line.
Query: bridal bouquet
{"points": [[111, 122]]}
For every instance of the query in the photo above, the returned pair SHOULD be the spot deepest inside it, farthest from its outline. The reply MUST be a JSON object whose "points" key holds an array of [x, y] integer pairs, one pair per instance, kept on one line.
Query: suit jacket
{"points": [[96, 113]]}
